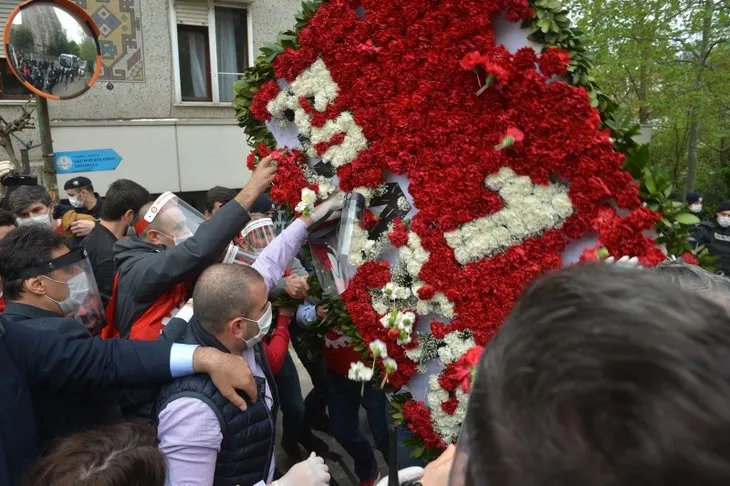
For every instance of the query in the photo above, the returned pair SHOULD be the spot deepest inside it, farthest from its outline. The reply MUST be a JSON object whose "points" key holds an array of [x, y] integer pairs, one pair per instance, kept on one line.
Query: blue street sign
{"points": [[87, 161]]}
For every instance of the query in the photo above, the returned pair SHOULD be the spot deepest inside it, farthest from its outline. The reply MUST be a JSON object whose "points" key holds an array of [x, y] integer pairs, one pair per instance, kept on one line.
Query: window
{"points": [[195, 82], [232, 48], [10, 87], [212, 49]]}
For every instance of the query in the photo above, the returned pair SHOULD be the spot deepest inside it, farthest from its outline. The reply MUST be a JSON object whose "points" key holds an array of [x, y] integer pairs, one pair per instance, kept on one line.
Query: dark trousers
{"points": [[291, 403], [315, 403], [344, 401]]}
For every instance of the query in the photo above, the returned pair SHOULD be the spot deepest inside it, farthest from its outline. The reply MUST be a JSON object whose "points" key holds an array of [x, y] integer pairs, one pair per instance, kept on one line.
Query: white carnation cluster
{"points": [[363, 249], [454, 346], [360, 372], [316, 84], [448, 426], [402, 322], [413, 256], [306, 204], [529, 209]]}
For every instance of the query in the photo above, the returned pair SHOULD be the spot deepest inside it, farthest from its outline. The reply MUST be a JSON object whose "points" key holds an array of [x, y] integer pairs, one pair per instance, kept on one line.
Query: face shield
{"points": [[72, 287], [239, 256], [174, 220], [257, 235]]}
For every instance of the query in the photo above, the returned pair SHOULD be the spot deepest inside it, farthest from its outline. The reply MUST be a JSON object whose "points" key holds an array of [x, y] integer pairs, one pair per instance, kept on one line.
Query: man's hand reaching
{"points": [[228, 372], [260, 181]]}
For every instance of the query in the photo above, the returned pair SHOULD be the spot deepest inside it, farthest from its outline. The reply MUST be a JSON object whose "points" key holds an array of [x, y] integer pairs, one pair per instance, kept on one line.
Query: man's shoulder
{"points": [[64, 325]]}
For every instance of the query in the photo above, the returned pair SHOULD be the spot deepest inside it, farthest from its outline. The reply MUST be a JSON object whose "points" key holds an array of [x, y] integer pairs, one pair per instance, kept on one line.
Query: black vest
{"points": [[719, 244], [248, 437]]}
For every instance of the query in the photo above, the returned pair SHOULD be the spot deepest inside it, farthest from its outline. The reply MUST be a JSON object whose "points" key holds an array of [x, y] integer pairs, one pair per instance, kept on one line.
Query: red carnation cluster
{"points": [[286, 188], [555, 62], [399, 234], [268, 92], [460, 373], [262, 150], [418, 420], [369, 220], [404, 72]]}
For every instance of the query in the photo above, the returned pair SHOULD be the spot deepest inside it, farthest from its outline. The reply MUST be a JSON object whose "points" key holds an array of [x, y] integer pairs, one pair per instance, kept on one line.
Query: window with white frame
{"points": [[211, 48]]}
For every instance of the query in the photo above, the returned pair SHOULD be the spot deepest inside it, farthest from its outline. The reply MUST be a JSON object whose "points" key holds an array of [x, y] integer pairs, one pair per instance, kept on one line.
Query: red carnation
{"points": [[496, 73], [514, 136], [688, 257], [399, 234], [268, 92], [369, 220], [450, 405], [554, 62], [426, 292], [471, 60]]}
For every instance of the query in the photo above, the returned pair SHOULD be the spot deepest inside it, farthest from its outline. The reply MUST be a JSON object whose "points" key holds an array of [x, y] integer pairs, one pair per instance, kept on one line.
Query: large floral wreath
{"points": [[505, 155]]}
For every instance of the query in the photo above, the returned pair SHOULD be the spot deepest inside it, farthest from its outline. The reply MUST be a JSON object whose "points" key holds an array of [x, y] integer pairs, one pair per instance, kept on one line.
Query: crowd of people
{"points": [[139, 346], [46, 75]]}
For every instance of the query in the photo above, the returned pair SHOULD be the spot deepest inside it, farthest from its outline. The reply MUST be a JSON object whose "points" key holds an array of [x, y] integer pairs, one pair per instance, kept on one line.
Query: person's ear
{"points": [[238, 327], [129, 217], [207, 214], [35, 286]]}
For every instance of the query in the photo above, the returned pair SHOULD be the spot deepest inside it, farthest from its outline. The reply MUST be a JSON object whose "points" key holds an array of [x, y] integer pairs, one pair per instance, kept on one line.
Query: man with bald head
{"points": [[207, 441]]}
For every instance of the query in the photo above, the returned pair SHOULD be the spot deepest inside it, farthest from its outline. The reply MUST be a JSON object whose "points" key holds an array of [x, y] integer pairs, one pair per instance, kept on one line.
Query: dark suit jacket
{"points": [[32, 360], [63, 413]]}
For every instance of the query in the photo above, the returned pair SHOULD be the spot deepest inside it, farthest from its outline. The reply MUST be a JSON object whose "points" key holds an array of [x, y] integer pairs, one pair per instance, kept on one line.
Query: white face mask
{"points": [[723, 221], [77, 202], [78, 292], [40, 220], [181, 239], [696, 208], [264, 324]]}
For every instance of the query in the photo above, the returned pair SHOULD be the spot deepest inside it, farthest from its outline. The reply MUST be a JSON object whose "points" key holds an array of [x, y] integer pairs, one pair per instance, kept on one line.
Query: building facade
{"points": [[163, 99]]}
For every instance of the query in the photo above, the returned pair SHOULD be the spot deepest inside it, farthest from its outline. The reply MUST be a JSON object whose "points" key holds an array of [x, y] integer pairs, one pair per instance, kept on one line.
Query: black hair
{"points": [[7, 219], [220, 195], [24, 196], [23, 248], [221, 294], [604, 376], [122, 196]]}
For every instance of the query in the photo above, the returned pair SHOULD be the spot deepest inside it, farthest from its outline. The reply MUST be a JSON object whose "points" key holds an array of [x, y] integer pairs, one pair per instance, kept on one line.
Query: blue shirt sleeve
{"points": [[306, 314], [181, 359]]}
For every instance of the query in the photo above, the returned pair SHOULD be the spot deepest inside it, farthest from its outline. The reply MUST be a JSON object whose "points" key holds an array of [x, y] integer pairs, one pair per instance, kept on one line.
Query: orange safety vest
{"points": [[149, 325]]}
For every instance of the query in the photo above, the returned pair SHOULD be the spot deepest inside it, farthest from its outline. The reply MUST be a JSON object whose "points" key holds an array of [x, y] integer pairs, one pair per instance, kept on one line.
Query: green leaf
{"points": [[687, 218]]}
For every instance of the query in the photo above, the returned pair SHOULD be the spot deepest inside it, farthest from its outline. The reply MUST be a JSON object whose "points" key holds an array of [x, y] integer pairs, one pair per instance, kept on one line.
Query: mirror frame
{"points": [[82, 17]]}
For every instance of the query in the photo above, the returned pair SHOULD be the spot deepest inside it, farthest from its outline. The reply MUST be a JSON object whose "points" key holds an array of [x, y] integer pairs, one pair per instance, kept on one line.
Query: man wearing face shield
{"points": [[205, 440], [60, 295], [297, 429], [156, 269]]}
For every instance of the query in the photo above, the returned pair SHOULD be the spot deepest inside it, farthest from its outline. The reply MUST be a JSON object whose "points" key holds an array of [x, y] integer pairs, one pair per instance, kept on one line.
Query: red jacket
{"points": [[277, 345]]}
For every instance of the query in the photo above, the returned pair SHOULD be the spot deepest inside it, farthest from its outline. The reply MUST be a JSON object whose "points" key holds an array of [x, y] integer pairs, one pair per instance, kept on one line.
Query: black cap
{"points": [[693, 197], [263, 204], [76, 182], [724, 206]]}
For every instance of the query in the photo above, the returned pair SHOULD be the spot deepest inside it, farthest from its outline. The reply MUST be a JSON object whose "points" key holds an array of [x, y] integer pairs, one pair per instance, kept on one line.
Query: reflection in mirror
{"points": [[51, 50]]}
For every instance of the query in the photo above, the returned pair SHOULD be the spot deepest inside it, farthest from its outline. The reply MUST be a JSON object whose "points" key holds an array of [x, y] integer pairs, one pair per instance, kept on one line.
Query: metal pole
{"points": [[25, 160], [50, 180]]}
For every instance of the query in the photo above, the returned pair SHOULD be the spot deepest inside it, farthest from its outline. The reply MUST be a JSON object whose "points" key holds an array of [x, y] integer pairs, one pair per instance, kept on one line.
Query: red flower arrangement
{"points": [[555, 62], [411, 93]]}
